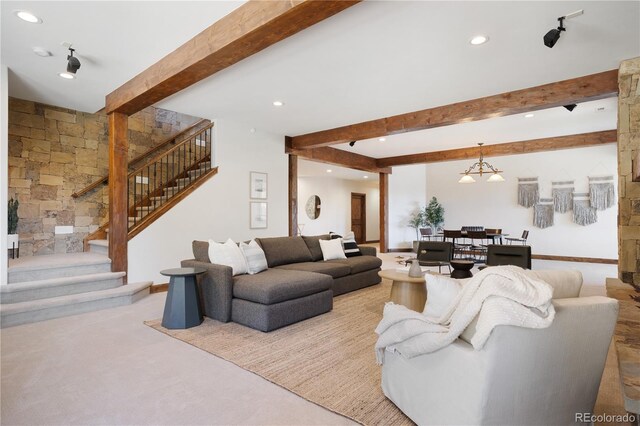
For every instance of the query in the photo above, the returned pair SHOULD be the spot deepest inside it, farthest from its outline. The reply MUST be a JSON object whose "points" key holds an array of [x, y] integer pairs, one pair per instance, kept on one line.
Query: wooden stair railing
{"points": [[164, 180], [177, 138]]}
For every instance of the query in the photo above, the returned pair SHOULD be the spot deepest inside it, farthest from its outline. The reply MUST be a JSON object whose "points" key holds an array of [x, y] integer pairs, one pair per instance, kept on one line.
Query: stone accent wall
{"points": [[629, 191], [54, 152]]}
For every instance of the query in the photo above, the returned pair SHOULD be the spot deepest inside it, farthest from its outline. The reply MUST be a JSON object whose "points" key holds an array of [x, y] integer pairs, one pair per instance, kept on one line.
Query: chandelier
{"points": [[483, 167]]}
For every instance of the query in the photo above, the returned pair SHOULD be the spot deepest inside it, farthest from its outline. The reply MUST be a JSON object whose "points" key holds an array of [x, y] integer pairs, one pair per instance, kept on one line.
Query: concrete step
{"points": [[39, 310], [55, 287], [172, 190], [36, 268], [99, 246], [144, 210]]}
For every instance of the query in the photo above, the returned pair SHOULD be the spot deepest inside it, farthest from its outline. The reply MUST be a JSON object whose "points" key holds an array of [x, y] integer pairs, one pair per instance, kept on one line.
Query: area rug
{"points": [[328, 360]]}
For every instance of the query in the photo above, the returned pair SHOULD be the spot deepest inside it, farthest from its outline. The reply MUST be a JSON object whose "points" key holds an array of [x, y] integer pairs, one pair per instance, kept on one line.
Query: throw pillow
{"points": [[332, 249], [442, 294], [254, 256], [351, 248], [228, 254]]}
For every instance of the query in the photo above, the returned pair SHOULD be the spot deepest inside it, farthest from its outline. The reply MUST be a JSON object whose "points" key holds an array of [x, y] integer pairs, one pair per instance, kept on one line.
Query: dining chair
{"points": [[478, 247], [523, 239], [454, 236], [509, 255], [493, 233], [426, 234]]}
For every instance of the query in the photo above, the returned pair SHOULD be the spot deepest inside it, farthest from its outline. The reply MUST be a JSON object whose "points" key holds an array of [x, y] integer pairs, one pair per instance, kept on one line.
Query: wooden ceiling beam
{"points": [[339, 157], [576, 90], [511, 148], [247, 30]]}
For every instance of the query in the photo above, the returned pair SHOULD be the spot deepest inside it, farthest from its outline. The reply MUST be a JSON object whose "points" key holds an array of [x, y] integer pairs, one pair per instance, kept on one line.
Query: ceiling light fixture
{"points": [[73, 64], [365, 177], [478, 40], [278, 103], [352, 143], [329, 170], [570, 107], [41, 51], [381, 139], [481, 165], [528, 116], [66, 75], [28, 17], [552, 36]]}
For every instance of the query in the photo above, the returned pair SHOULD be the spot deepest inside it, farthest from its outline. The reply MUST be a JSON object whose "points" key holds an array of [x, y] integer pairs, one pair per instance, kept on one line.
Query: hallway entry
{"points": [[359, 216]]}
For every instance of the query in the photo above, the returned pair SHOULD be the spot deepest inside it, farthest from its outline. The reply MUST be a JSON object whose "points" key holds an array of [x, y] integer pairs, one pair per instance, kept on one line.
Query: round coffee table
{"points": [[462, 268], [182, 307], [405, 290]]}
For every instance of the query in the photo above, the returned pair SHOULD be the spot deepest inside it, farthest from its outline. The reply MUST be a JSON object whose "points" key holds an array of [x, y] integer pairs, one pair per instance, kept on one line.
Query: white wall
{"points": [[335, 201], [4, 169], [407, 192], [495, 205], [219, 209]]}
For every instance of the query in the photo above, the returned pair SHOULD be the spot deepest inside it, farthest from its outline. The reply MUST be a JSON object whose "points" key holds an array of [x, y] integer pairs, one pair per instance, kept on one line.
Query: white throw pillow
{"points": [[228, 254], [442, 293], [565, 283], [254, 256], [332, 249]]}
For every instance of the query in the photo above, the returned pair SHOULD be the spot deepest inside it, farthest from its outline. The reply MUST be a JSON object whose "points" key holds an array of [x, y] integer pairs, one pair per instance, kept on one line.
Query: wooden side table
{"points": [[405, 290], [182, 307], [462, 268]]}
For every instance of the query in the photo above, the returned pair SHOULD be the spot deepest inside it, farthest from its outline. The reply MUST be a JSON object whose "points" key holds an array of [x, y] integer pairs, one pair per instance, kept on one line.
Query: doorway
{"points": [[359, 216]]}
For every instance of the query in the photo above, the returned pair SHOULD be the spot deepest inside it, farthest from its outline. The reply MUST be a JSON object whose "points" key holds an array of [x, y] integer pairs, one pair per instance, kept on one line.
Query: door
{"points": [[359, 216]]}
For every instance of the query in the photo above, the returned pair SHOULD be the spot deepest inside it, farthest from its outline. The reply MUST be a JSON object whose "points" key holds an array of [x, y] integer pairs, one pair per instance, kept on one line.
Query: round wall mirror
{"points": [[313, 207]]}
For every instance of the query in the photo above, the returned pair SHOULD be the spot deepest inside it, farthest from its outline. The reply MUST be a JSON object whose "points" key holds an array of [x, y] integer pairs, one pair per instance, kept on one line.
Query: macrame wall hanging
{"points": [[528, 192], [601, 192], [543, 213], [583, 213], [562, 193]]}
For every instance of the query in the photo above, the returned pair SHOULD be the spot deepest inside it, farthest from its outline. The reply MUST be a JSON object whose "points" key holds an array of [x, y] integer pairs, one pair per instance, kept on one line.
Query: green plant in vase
{"points": [[434, 214]]}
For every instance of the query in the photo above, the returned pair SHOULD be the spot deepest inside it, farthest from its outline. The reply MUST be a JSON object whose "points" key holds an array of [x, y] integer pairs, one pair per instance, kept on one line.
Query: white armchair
{"points": [[521, 376]]}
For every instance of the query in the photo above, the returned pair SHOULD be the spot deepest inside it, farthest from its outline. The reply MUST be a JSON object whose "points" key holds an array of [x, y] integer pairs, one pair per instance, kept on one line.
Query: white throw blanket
{"points": [[502, 295]]}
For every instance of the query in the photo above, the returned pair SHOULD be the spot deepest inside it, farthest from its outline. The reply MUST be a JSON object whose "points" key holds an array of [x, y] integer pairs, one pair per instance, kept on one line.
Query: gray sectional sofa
{"points": [[298, 284]]}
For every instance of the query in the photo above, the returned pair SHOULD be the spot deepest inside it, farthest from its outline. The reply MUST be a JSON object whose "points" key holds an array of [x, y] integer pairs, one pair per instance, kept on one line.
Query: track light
{"points": [[352, 143], [552, 37], [570, 107], [74, 64]]}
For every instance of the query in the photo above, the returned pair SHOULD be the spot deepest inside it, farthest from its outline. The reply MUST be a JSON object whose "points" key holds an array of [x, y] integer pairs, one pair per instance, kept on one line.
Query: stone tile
{"points": [[44, 192], [72, 141], [86, 157], [20, 105], [51, 180], [59, 115], [20, 183], [62, 157], [40, 157], [70, 129], [36, 145], [17, 130]]}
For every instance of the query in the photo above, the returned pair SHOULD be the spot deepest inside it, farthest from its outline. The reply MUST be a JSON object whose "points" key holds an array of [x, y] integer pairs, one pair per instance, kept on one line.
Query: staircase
{"points": [[46, 287], [160, 183]]}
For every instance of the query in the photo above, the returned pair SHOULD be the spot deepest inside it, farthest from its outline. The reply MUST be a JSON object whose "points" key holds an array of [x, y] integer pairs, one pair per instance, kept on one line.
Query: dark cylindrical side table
{"points": [[182, 307], [462, 268]]}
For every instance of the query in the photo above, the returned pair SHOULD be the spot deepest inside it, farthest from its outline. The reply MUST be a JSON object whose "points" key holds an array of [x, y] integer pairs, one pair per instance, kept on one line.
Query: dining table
{"points": [[492, 236]]}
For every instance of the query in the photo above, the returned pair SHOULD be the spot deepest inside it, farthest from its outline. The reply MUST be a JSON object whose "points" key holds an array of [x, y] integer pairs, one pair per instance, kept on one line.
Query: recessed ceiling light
{"points": [[382, 139], [278, 103], [479, 39], [28, 16], [528, 115], [67, 75], [41, 51], [365, 177], [329, 170], [600, 109]]}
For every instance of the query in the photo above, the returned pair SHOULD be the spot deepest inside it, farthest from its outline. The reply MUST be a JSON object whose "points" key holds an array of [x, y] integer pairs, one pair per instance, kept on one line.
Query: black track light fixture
{"points": [[352, 143], [73, 64], [570, 107], [551, 38]]}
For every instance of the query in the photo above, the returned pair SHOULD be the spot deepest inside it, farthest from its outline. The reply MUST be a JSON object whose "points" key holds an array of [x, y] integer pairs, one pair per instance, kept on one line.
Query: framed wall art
{"points": [[258, 186]]}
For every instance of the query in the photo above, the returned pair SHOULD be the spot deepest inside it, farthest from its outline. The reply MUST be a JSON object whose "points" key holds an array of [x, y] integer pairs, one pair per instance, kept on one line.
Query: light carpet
{"points": [[328, 359]]}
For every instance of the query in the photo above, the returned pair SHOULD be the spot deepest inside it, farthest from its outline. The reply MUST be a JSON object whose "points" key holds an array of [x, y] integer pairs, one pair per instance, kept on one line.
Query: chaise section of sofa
{"points": [[298, 284]]}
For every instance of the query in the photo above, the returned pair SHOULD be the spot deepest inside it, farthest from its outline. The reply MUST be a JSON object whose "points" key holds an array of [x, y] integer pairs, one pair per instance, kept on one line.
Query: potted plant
{"points": [[417, 221], [13, 237], [434, 214]]}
